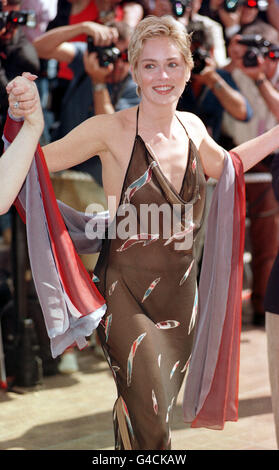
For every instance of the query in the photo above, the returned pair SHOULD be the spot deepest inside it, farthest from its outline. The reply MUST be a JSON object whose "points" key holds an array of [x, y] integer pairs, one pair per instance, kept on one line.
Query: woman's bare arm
{"points": [[254, 150], [82, 143], [250, 152], [15, 164]]}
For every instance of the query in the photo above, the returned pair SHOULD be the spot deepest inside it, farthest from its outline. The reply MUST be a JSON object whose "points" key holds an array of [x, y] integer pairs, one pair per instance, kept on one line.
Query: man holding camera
{"points": [[17, 54], [211, 91], [237, 14], [187, 11]]}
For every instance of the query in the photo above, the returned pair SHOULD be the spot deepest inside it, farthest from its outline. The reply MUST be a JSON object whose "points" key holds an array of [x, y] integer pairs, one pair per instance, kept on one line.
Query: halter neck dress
{"points": [[149, 281]]}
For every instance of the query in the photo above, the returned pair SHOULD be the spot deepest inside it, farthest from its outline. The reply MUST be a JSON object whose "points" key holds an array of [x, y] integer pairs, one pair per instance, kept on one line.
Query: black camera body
{"points": [[17, 18], [201, 44], [232, 5], [199, 57], [179, 7], [257, 47], [106, 55]]}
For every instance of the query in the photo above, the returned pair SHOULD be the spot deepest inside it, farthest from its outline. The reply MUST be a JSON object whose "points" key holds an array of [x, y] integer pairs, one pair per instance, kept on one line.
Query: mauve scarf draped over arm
{"points": [[71, 304], [211, 390]]}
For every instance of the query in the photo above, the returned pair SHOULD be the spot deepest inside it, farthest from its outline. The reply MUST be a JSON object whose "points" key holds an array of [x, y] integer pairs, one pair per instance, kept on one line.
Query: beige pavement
{"points": [[74, 412]]}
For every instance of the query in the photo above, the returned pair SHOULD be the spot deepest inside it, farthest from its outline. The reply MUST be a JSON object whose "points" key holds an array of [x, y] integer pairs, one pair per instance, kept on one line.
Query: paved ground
{"points": [[74, 412]]}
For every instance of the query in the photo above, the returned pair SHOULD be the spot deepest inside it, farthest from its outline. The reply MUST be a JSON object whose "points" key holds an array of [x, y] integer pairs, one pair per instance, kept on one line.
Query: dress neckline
{"points": [[154, 157]]}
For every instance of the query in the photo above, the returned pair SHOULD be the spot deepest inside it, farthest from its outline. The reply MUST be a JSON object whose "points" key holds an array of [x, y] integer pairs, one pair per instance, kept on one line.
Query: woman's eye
{"points": [[149, 66], [173, 64]]}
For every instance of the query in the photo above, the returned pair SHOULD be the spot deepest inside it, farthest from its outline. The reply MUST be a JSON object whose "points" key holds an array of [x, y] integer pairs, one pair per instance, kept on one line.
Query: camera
{"points": [[199, 57], [257, 47], [106, 55], [179, 7], [202, 42], [232, 5], [17, 18]]}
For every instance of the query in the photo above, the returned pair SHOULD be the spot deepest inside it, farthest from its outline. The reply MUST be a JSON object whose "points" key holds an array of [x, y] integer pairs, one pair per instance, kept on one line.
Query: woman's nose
{"points": [[163, 73]]}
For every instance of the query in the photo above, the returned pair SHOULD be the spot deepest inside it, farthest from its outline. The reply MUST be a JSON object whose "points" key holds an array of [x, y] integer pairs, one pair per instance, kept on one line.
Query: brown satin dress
{"points": [[150, 289]]}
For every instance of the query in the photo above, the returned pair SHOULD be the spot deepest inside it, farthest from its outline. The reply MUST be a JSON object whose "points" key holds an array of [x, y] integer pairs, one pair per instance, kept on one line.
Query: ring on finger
{"points": [[16, 105]]}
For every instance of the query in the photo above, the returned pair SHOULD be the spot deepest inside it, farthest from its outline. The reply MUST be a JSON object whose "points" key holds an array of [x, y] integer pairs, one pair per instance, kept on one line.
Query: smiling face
{"points": [[161, 71]]}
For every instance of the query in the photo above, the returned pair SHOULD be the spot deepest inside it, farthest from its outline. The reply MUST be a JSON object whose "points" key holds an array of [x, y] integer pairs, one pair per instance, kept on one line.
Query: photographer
{"points": [[235, 15], [128, 11], [211, 90], [187, 11], [259, 82], [112, 85], [16, 54]]}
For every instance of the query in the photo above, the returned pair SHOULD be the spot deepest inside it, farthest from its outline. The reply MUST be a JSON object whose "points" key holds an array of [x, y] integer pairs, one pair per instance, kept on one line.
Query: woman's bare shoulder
{"points": [[194, 126], [212, 155], [109, 124], [126, 118]]}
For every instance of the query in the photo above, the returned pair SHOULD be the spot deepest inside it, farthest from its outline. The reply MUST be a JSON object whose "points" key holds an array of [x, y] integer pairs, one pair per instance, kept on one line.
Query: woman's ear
{"points": [[188, 75], [134, 76]]}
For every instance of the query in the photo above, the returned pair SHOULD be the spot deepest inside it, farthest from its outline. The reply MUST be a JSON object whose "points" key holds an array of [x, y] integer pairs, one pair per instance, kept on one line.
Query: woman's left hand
{"points": [[24, 100]]}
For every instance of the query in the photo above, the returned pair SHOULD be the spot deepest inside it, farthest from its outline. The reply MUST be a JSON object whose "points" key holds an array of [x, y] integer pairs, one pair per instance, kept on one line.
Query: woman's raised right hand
{"points": [[24, 100]]}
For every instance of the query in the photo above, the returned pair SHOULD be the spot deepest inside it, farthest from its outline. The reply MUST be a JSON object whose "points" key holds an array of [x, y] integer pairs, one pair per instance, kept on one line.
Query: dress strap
{"points": [[183, 126], [137, 122]]}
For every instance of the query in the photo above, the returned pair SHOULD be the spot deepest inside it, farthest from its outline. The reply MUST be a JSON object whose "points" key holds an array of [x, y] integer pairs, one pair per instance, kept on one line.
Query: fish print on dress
{"points": [[186, 368], [186, 365], [194, 165], [182, 234], [185, 276], [112, 287], [107, 326], [174, 369], [144, 238], [169, 409], [167, 324], [194, 312], [132, 353], [127, 416], [138, 183], [151, 288], [154, 403]]}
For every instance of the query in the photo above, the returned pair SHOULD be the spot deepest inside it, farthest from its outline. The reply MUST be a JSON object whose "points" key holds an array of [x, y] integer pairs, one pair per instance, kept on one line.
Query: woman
{"points": [[150, 154]]}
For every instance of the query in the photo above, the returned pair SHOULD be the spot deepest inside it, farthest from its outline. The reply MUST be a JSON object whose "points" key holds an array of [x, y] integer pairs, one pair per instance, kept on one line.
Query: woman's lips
{"points": [[163, 89]]}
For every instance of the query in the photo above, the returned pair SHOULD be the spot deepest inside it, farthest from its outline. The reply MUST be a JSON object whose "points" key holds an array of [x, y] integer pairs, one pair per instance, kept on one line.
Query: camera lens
{"points": [[250, 58]]}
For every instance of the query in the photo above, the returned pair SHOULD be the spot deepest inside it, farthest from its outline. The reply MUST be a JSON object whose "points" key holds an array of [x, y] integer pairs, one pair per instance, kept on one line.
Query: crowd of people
{"points": [[78, 50]]}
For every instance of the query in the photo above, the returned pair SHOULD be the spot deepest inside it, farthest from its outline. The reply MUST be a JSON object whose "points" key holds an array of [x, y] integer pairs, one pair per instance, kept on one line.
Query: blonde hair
{"points": [[163, 26]]}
